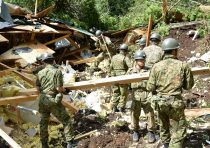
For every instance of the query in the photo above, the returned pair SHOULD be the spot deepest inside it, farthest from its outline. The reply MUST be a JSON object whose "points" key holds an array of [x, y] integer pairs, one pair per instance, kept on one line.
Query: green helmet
{"points": [[39, 57], [170, 44], [124, 47], [47, 56], [139, 55], [98, 32], [142, 41], [155, 37]]}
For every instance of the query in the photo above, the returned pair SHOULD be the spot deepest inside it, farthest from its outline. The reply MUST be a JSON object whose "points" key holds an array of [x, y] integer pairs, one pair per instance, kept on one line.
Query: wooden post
{"points": [[164, 10], [36, 5], [149, 30]]}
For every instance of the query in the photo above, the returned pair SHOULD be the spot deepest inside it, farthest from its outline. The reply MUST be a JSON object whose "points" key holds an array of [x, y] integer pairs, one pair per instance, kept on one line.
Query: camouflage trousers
{"points": [[136, 107], [120, 95], [46, 107], [172, 121]]}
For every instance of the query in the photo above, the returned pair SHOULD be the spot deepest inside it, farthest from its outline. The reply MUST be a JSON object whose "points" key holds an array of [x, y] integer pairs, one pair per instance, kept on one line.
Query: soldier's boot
{"points": [[151, 137], [45, 145], [166, 145], [135, 136]]}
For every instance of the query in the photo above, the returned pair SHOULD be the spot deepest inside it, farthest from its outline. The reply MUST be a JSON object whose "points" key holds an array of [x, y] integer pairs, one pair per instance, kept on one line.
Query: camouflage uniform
{"points": [[119, 66], [50, 101], [140, 101], [104, 54], [166, 80], [154, 54]]}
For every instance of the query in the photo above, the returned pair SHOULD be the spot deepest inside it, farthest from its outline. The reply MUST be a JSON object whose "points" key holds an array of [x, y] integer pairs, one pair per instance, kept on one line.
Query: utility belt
{"points": [[159, 100]]}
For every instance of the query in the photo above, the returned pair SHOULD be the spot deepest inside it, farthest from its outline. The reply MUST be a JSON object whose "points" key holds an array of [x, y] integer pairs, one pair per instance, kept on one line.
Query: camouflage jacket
{"points": [[102, 45], [139, 91], [169, 76], [120, 64], [153, 55], [48, 79]]}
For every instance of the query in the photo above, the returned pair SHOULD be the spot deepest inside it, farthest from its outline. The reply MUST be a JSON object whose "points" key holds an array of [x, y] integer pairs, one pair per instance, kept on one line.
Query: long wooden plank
{"points": [[17, 99], [8, 139], [29, 80], [73, 42], [124, 79], [149, 30], [58, 39], [196, 112]]}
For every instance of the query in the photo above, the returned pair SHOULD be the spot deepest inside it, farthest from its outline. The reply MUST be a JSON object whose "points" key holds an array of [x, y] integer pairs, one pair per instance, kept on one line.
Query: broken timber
{"points": [[8, 139]]}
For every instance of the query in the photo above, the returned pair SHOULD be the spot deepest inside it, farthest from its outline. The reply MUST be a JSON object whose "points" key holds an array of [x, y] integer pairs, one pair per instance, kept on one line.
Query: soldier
{"points": [[50, 85], [140, 101], [120, 64], [106, 46], [166, 81], [142, 43], [153, 52]]}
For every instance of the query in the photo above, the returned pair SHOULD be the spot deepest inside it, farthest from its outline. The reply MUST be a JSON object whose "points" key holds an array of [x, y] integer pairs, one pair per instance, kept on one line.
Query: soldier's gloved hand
{"points": [[66, 91]]}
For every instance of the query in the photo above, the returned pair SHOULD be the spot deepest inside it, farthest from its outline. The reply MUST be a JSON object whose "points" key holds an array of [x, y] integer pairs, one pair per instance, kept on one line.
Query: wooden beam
{"points": [[8, 139], [88, 60], [20, 99], [17, 99], [164, 10], [70, 106], [76, 51], [62, 55], [29, 80], [3, 39], [196, 112], [58, 39], [36, 5], [149, 30], [73, 42], [124, 79]]}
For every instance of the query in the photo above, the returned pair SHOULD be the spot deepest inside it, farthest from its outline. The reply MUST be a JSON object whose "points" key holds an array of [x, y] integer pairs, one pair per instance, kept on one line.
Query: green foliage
{"points": [[163, 29], [117, 14]]}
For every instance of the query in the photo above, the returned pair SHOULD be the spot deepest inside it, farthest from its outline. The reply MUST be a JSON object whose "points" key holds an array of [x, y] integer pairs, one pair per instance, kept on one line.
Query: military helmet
{"points": [[155, 37], [170, 44], [142, 41], [124, 47], [98, 32], [139, 55], [39, 57], [47, 56]]}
